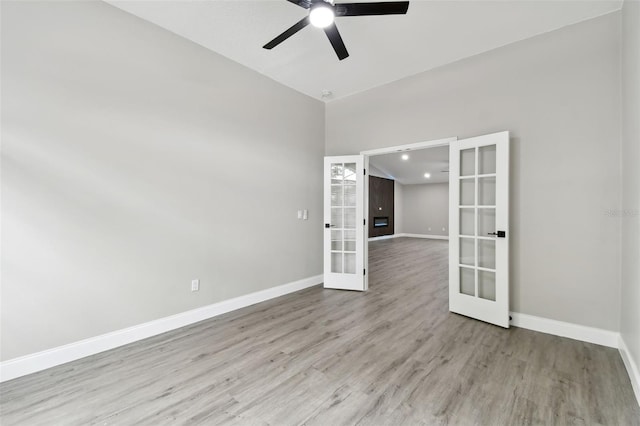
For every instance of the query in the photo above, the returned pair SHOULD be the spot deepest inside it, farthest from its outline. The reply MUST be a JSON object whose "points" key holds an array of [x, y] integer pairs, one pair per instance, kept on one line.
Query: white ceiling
{"points": [[411, 171], [382, 48]]}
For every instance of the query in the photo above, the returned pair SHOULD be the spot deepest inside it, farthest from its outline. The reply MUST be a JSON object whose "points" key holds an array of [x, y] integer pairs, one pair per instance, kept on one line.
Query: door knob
{"points": [[499, 234]]}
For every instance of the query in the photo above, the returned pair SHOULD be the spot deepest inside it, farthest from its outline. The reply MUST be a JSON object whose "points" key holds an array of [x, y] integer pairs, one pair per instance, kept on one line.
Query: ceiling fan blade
{"points": [[379, 8], [288, 33], [302, 3], [336, 41]]}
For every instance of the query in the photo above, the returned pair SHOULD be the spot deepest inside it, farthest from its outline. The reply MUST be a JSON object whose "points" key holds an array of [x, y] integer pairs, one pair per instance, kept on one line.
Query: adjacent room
{"points": [[320, 212], [409, 194]]}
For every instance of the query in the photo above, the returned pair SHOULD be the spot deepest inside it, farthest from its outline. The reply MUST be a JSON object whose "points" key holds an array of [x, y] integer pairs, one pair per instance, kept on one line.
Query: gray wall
{"points": [[426, 209], [132, 162], [398, 206], [559, 96], [630, 212]]}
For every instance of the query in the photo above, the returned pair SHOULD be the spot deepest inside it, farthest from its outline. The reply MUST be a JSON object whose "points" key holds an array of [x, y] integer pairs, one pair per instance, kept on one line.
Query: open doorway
{"points": [[408, 205], [478, 261], [409, 194]]}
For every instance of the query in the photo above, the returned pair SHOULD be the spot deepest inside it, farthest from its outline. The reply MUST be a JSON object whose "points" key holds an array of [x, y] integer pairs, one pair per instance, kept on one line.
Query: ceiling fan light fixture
{"points": [[321, 15]]}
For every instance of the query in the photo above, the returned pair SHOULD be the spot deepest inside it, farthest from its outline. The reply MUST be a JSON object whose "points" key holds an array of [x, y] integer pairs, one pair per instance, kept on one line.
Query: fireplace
{"points": [[380, 219], [381, 222]]}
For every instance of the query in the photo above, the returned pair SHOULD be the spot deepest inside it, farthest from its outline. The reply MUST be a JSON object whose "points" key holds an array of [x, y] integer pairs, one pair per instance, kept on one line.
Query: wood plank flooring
{"points": [[391, 356]]}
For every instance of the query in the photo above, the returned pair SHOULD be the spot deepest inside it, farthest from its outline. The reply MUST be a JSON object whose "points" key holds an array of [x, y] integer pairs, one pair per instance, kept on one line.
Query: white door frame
{"points": [[390, 150], [410, 147]]}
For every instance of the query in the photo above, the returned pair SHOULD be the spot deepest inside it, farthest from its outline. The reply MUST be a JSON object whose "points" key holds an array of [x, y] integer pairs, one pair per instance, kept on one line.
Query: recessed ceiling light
{"points": [[427, 175], [405, 156]]}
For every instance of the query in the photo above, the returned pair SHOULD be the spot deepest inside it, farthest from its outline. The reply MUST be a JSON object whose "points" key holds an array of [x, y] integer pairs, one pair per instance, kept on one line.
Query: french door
{"points": [[479, 228], [344, 222]]}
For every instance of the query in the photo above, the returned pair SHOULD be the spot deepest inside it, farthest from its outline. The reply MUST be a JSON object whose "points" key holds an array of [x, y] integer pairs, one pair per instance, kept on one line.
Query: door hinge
{"points": [[365, 172], [364, 272], [364, 222]]}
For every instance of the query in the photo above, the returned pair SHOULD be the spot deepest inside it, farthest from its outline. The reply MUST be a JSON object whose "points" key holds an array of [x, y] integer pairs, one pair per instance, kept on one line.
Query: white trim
{"points": [[410, 147], [384, 237], [632, 367], [429, 236], [32, 363], [433, 237], [365, 228], [566, 329]]}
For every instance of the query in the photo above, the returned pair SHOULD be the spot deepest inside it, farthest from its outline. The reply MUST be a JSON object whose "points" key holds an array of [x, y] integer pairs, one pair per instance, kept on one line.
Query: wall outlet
{"points": [[195, 285], [305, 214], [443, 228], [299, 214], [429, 229]]}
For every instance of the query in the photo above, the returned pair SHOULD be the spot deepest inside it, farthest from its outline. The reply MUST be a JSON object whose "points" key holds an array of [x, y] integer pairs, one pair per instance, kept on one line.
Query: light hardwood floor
{"points": [[393, 355]]}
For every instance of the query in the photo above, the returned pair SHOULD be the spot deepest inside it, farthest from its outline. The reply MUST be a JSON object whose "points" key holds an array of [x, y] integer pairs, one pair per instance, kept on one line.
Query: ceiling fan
{"points": [[323, 12]]}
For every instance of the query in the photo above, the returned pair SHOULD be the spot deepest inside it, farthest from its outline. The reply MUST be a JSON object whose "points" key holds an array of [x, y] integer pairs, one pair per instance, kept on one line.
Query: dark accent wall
{"points": [[380, 205]]}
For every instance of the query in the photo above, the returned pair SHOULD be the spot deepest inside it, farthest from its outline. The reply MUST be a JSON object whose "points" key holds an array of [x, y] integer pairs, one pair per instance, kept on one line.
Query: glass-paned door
{"points": [[479, 234], [344, 247]]}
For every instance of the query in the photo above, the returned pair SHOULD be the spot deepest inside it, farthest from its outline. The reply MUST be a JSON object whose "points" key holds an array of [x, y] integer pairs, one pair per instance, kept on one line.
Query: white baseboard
{"points": [[566, 329], [632, 367], [32, 363], [383, 237], [433, 237]]}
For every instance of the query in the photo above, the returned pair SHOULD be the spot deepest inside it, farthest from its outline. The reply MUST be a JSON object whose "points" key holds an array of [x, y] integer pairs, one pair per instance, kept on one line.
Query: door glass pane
{"points": [[486, 221], [336, 262], [350, 240], [336, 217], [336, 173], [350, 195], [336, 195], [487, 285], [467, 281], [487, 191], [349, 263], [468, 162], [350, 173], [467, 251], [467, 192], [467, 222], [487, 159], [336, 240], [350, 218], [487, 254]]}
